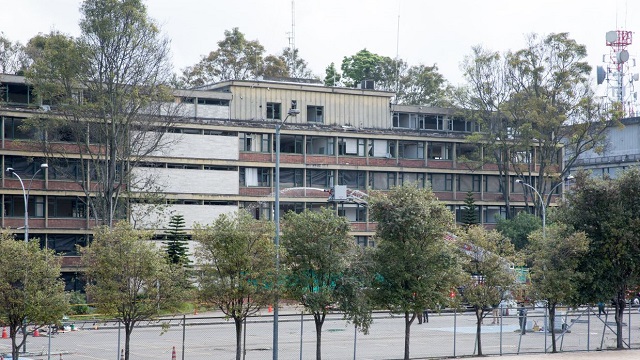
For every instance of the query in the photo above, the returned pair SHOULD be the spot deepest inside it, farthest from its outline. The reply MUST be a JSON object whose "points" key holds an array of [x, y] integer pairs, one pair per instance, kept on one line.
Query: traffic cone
{"points": [[173, 354], [270, 308], [36, 333], [4, 333]]}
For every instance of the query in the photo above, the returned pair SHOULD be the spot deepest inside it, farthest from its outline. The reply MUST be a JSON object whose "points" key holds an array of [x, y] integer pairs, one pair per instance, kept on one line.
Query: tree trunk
{"points": [[408, 320], [238, 322], [620, 303], [479, 314], [14, 330], [552, 325], [128, 329], [319, 321]]}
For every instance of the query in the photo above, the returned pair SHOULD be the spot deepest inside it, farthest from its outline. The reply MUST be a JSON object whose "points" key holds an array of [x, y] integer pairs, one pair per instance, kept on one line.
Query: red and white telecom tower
{"points": [[620, 83]]}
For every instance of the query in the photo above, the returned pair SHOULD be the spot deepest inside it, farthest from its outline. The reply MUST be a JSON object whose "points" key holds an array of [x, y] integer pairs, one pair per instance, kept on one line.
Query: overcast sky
{"points": [[429, 32]]}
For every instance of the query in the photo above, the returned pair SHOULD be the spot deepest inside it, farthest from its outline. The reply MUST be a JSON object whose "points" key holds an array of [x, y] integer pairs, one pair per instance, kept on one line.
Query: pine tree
{"points": [[176, 241], [470, 212]]}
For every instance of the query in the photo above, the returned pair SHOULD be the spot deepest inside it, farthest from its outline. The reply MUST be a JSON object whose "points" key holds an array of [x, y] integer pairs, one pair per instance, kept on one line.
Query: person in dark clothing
{"points": [[425, 315], [601, 309], [522, 318]]}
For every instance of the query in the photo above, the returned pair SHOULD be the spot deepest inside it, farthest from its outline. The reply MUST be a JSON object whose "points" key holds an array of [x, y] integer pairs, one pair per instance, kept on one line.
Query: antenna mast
{"points": [[619, 89], [292, 40]]}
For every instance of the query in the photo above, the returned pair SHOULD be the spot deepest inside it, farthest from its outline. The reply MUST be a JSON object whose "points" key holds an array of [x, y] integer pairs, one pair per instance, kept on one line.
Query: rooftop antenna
{"points": [[292, 40], [398, 56], [616, 72]]}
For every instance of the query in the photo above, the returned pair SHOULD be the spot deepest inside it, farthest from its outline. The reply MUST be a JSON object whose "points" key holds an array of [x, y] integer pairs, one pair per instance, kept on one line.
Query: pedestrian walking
{"points": [[601, 309], [522, 318]]}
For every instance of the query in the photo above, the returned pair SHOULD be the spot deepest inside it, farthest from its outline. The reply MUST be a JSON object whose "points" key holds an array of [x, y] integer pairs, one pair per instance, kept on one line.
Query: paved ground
{"points": [[592, 355]]}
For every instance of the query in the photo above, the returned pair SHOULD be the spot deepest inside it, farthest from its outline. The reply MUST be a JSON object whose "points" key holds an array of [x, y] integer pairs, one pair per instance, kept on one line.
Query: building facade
{"points": [[221, 157]]}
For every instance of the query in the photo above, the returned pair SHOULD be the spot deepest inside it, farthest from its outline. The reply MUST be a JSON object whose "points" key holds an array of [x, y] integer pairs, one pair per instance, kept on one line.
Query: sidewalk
{"points": [[584, 355]]}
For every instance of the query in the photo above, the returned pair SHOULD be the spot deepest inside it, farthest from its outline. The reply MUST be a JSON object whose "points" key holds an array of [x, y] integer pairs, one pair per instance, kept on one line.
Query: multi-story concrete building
{"points": [[620, 151], [221, 157]]}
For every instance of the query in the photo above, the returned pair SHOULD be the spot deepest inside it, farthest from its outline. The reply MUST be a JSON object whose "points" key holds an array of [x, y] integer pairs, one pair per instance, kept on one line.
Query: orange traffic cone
{"points": [[4, 333], [270, 308], [36, 333], [173, 354]]}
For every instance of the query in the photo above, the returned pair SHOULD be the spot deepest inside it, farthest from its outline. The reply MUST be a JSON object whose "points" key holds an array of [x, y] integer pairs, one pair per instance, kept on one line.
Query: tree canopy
{"points": [[237, 58], [555, 277], [415, 267], [531, 102], [319, 251], [31, 291], [109, 86], [236, 266], [608, 212], [176, 241], [413, 85], [129, 278], [489, 257]]}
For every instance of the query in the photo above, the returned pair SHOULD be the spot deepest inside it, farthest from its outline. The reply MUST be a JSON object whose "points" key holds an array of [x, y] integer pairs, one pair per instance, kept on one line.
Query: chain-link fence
{"points": [[446, 334]]}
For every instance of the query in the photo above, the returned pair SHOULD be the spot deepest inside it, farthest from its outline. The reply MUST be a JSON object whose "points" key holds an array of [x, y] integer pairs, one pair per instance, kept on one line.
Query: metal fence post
{"points": [[455, 329], [546, 327], [244, 340], [355, 340], [629, 325], [118, 352], [588, 327], [501, 323], [184, 332], [301, 331]]}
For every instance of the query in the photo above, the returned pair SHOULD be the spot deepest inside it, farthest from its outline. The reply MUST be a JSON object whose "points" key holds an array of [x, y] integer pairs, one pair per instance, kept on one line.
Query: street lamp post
{"points": [[25, 195], [543, 202], [276, 214]]}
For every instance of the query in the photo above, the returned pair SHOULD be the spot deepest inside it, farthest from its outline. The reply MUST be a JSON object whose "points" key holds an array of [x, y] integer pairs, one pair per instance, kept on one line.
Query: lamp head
{"points": [[570, 177], [293, 112], [10, 170], [518, 181], [44, 166]]}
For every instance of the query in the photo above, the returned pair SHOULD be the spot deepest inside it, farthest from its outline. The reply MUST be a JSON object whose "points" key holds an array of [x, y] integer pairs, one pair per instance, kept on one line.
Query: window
{"points": [[493, 213], [350, 146], [291, 144], [255, 177], [66, 207], [315, 114], [14, 206], [290, 178], [411, 149], [320, 145], [320, 178], [365, 241], [23, 166], [382, 148], [468, 152], [382, 180], [255, 142], [353, 212], [492, 184], [441, 182], [439, 151], [14, 129], [468, 183], [273, 111], [416, 179], [353, 179]]}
